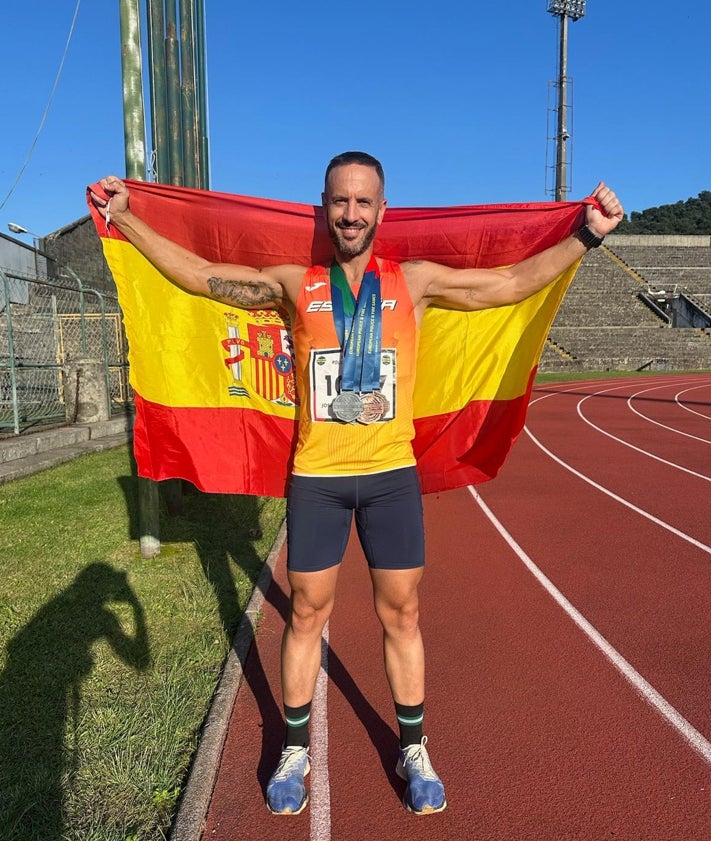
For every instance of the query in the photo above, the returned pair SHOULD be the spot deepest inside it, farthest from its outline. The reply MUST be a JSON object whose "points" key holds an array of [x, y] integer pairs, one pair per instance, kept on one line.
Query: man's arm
{"points": [[239, 286], [477, 289]]}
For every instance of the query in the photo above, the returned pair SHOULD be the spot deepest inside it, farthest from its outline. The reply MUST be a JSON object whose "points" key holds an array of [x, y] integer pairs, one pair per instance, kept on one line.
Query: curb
{"points": [[191, 817], [32, 452]]}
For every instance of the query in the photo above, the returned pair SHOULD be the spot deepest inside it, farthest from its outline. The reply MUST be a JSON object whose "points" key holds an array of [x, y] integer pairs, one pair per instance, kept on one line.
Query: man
{"points": [[355, 328]]}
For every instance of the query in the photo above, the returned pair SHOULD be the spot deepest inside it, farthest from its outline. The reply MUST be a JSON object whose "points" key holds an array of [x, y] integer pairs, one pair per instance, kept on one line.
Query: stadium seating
{"points": [[603, 325]]}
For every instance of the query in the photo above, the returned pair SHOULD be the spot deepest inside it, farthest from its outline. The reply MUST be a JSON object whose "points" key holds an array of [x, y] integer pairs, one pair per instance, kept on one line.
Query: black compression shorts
{"points": [[388, 515]]}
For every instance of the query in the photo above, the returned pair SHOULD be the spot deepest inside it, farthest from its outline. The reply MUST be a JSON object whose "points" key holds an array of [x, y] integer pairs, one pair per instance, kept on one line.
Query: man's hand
{"points": [[612, 212], [118, 196]]}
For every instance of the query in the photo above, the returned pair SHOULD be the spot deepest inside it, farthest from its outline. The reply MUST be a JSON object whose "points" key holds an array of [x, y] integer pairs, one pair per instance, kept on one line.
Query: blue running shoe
{"points": [[286, 793], [424, 793]]}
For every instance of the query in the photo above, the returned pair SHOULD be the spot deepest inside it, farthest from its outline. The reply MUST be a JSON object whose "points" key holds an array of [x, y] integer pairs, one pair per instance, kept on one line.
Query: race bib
{"points": [[325, 377]]}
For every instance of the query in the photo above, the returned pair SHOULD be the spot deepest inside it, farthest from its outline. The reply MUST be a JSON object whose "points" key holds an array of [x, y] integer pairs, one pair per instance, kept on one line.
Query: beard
{"points": [[355, 248]]}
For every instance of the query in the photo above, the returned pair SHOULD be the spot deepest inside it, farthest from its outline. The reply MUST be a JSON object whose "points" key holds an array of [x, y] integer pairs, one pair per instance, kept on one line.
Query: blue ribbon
{"points": [[358, 327]]}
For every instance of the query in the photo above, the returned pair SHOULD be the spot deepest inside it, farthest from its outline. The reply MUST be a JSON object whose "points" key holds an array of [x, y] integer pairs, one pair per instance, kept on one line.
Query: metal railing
{"points": [[46, 325]]}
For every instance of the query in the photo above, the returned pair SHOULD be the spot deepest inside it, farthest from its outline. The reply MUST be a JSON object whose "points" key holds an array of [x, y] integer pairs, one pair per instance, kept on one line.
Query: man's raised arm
{"points": [[239, 286], [477, 289]]}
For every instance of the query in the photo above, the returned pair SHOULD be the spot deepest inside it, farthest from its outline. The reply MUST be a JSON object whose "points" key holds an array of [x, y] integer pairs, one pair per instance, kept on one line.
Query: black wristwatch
{"points": [[588, 238]]}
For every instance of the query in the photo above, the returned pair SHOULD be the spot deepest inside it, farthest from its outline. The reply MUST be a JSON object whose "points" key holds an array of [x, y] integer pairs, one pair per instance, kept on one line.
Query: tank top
{"points": [[326, 446]]}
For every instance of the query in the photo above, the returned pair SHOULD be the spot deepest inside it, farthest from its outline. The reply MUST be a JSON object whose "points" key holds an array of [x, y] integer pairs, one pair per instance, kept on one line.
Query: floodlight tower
{"points": [[563, 10]]}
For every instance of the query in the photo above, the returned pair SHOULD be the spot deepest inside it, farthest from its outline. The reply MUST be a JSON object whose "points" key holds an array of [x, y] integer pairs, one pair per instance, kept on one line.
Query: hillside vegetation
{"points": [[692, 216]]}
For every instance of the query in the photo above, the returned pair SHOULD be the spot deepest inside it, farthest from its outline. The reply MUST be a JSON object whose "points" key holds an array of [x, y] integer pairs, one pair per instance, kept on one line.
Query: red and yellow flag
{"points": [[214, 385]]}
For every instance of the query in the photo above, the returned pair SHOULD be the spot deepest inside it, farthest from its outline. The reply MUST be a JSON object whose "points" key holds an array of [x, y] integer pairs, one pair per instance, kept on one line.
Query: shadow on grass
{"points": [[223, 529], [40, 688]]}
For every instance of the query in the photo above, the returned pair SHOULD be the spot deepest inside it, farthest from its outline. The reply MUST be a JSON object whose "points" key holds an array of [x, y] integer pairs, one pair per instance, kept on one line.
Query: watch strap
{"points": [[588, 238]]}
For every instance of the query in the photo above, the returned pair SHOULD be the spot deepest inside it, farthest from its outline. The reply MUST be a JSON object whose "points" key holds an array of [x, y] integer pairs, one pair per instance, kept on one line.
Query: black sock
{"points": [[410, 721], [297, 725]]}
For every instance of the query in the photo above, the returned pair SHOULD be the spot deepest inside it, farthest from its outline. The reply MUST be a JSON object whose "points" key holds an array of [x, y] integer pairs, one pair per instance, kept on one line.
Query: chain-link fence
{"points": [[46, 325]]}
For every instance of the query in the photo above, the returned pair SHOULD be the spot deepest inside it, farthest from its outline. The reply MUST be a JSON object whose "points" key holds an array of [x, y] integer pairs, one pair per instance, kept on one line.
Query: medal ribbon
{"points": [[359, 326]]}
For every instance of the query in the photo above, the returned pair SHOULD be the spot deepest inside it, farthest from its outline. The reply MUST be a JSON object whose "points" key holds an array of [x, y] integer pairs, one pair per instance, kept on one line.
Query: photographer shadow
{"points": [[40, 692]]}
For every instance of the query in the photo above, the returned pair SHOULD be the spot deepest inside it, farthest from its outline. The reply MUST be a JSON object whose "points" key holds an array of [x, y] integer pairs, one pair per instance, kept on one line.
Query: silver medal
{"points": [[347, 406]]}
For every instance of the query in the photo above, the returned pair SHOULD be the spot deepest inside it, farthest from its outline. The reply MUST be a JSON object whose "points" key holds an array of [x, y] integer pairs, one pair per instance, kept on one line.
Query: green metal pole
{"points": [[133, 114], [11, 354], [188, 90], [134, 131], [172, 75], [201, 72], [159, 113]]}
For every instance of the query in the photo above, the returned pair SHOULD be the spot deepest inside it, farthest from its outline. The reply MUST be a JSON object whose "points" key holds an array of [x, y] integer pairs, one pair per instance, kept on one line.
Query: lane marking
{"points": [[689, 733], [659, 423], [320, 794], [617, 498], [686, 408], [633, 446], [577, 386]]}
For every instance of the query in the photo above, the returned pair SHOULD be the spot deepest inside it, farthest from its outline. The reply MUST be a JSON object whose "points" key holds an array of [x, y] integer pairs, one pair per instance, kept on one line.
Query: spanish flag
{"points": [[214, 385]]}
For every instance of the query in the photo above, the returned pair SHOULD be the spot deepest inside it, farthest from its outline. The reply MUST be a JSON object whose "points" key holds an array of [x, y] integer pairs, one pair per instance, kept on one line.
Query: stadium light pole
{"points": [[563, 10]]}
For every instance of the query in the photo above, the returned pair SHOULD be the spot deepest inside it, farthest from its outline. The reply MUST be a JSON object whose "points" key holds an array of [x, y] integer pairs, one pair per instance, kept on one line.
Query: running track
{"points": [[566, 617]]}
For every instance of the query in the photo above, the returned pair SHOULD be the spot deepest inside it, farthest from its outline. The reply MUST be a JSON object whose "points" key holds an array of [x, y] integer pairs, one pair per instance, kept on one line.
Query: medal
{"points": [[347, 407], [375, 405], [358, 324]]}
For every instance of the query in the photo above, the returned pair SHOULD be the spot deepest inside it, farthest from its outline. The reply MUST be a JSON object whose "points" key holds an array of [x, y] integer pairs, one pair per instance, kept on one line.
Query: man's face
{"points": [[354, 206]]}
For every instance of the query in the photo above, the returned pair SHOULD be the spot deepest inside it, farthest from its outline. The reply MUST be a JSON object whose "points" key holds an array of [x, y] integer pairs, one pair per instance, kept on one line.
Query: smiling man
{"points": [[355, 329]]}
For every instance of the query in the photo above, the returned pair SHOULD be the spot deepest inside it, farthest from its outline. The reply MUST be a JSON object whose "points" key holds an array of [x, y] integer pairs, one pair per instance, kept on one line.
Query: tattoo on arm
{"points": [[242, 293]]}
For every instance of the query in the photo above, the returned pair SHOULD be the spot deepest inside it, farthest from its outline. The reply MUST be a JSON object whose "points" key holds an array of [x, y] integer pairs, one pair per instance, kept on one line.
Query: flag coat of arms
{"points": [[214, 386]]}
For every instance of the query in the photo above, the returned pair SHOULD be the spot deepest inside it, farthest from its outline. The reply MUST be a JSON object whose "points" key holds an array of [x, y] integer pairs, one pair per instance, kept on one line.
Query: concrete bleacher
{"points": [[669, 262], [603, 325]]}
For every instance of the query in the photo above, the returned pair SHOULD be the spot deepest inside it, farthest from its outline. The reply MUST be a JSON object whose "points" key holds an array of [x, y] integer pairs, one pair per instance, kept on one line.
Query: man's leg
{"points": [[318, 525], [397, 607], [312, 596]]}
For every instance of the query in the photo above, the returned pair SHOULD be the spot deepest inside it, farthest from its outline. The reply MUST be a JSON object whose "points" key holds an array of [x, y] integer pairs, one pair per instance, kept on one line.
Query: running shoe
{"points": [[424, 793], [286, 793]]}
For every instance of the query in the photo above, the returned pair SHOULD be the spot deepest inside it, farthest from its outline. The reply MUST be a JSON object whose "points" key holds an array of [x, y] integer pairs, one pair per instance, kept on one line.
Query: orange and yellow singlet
{"points": [[327, 447]]}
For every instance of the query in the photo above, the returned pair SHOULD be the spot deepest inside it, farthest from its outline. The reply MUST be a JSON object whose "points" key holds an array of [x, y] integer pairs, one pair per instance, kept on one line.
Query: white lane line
{"points": [[575, 387], [688, 408], [635, 448], [320, 794], [658, 423], [692, 736], [621, 500]]}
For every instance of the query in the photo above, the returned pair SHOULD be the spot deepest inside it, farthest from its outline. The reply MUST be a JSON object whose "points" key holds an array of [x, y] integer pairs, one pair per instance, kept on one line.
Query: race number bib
{"points": [[325, 376]]}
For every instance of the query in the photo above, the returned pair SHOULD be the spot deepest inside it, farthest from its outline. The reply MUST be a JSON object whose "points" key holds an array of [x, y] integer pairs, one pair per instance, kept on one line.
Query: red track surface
{"points": [[537, 734]]}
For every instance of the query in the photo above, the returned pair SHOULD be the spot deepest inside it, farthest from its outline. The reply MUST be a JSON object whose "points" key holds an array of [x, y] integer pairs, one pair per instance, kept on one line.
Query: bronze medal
{"points": [[375, 405]]}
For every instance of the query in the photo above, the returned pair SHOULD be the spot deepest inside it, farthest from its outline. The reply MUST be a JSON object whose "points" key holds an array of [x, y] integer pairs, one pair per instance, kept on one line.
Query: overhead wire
{"points": [[46, 110]]}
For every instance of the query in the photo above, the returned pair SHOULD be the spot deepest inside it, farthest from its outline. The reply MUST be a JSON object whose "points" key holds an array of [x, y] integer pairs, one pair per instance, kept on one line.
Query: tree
{"points": [[692, 216]]}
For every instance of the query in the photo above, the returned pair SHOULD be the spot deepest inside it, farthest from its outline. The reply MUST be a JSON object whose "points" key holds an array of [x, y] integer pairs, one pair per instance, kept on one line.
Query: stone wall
{"points": [[78, 246]]}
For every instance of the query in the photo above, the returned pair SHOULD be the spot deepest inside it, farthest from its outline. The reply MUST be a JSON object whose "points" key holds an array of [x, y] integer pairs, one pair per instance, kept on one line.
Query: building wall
{"points": [[78, 246], [19, 258]]}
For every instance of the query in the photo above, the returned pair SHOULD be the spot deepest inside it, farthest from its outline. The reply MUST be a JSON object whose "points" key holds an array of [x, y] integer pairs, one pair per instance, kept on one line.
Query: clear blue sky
{"points": [[452, 96]]}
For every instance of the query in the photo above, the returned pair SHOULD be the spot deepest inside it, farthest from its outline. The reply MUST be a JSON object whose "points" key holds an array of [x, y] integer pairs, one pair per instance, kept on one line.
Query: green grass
{"points": [[108, 661], [571, 376]]}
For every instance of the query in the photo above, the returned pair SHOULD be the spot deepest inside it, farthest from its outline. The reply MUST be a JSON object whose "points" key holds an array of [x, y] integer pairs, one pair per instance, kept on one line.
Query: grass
{"points": [[571, 376], [108, 661]]}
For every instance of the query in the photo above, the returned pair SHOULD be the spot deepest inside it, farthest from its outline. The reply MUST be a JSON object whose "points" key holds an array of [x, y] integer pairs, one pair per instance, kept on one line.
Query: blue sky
{"points": [[451, 96]]}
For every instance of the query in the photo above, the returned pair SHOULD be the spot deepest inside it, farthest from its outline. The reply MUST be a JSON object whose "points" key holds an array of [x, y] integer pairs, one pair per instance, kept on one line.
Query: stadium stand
{"points": [[619, 310]]}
